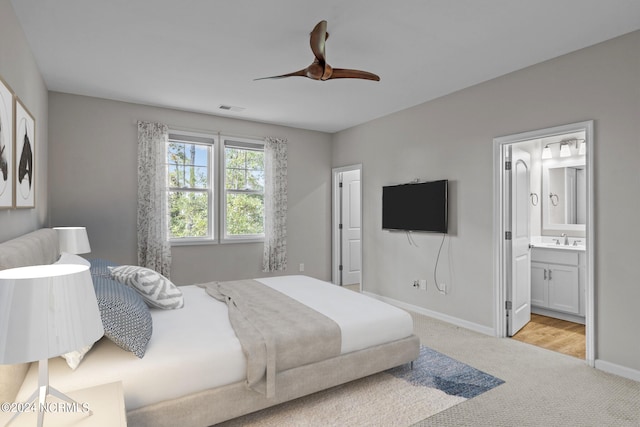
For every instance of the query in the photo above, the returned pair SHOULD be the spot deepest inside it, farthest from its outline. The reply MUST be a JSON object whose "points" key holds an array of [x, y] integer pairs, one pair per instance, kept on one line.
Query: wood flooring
{"points": [[554, 334]]}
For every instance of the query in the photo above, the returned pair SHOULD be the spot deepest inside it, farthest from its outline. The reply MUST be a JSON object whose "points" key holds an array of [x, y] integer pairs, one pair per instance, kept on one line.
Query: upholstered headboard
{"points": [[35, 248]]}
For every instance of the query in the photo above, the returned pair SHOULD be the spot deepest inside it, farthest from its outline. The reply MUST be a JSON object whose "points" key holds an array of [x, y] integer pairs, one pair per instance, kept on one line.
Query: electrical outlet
{"points": [[423, 284], [301, 268]]}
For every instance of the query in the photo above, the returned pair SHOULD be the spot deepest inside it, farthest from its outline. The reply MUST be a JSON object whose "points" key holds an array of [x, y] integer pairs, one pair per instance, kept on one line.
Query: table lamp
{"points": [[46, 311], [73, 240]]}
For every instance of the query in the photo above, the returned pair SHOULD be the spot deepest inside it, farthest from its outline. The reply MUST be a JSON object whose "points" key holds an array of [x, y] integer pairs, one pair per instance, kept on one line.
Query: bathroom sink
{"points": [[559, 247]]}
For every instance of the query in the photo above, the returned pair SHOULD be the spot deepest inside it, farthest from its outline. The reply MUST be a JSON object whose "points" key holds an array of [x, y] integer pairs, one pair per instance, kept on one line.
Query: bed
{"points": [[194, 371]]}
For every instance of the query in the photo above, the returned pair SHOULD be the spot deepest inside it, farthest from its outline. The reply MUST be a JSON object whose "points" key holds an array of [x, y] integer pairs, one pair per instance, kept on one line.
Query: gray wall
{"points": [[451, 138], [20, 71], [92, 179], [94, 183]]}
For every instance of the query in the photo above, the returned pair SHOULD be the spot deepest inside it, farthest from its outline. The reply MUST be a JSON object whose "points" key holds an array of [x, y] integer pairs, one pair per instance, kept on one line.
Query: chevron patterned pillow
{"points": [[155, 289]]}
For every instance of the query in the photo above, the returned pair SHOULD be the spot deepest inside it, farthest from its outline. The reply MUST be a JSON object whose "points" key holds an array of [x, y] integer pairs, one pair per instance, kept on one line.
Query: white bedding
{"points": [[364, 321], [195, 348]]}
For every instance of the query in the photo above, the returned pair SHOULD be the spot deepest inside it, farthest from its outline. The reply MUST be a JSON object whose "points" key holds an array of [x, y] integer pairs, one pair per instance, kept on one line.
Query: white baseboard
{"points": [[621, 371], [436, 315], [602, 365]]}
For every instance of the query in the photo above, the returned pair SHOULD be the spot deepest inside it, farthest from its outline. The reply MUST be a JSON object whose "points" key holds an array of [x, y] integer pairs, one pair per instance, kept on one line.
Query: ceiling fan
{"points": [[319, 69]]}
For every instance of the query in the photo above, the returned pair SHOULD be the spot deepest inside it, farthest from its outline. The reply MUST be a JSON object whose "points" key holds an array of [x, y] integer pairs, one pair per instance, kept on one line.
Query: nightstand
{"points": [[106, 401]]}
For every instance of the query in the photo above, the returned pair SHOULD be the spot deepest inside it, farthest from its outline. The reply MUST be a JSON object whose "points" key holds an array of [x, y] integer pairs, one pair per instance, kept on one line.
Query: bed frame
{"points": [[223, 403]]}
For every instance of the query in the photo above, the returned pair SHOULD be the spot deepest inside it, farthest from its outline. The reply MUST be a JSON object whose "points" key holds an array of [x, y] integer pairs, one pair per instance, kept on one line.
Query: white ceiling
{"points": [[195, 55]]}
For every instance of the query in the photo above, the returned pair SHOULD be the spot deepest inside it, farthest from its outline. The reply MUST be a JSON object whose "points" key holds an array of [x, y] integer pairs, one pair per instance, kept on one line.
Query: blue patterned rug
{"points": [[398, 397], [435, 370]]}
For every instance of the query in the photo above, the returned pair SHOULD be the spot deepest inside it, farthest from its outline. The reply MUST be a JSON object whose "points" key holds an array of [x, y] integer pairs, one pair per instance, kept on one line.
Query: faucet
{"points": [[566, 239]]}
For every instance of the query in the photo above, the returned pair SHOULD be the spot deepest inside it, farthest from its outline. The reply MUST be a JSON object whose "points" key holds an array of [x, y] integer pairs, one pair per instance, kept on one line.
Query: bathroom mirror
{"points": [[564, 195]]}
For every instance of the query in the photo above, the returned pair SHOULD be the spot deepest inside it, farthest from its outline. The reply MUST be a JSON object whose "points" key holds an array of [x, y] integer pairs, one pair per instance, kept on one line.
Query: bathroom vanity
{"points": [[559, 263], [558, 280]]}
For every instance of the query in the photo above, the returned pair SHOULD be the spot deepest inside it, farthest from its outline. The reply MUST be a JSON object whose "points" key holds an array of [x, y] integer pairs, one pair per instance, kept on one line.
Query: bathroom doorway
{"points": [[543, 233]]}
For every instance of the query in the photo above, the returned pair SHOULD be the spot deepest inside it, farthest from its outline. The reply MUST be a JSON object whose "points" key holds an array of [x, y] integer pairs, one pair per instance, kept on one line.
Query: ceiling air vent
{"points": [[231, 108]]}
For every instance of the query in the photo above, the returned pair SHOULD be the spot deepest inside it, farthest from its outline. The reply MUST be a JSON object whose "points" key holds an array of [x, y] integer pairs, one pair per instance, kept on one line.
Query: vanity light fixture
{"points": [[565, 150]]}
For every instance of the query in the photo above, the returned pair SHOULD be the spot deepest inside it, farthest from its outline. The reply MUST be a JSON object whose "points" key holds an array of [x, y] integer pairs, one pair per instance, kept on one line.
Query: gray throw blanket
{"points": [[276, 332]]}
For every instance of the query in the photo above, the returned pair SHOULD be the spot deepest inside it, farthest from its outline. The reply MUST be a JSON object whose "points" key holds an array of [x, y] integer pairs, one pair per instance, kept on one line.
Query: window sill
{"points": [[248, 240], [207, 242], [186, 242]]}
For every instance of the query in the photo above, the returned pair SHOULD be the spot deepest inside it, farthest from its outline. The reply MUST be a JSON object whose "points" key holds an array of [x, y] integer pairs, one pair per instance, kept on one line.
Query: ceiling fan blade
{"points": [[314, 71], [343, 73], [301, 73], [319, 69], [318, 36]]}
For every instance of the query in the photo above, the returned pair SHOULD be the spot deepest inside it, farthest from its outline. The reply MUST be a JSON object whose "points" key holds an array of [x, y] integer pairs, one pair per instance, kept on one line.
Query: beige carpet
{"points": [[542, 388], [379, 400]]}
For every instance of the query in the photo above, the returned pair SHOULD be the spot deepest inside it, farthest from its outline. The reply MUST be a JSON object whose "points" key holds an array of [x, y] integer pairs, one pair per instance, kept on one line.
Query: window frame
{"points": [[217, 191], [242, 143], [212, 190]]}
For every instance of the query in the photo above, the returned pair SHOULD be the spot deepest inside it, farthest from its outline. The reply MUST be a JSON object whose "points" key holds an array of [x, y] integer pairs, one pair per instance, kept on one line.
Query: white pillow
{"points": [[66, 258], [155, 289], [74, 358]]}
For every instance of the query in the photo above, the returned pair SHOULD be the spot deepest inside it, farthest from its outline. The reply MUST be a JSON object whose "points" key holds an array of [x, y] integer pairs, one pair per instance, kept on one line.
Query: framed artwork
{"points": [[25, 149], [6, 146]]}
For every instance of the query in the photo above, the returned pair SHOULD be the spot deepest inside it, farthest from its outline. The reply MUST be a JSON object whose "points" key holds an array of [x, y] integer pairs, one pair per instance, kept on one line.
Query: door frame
{"points": [[500, 227], [335, 221]]}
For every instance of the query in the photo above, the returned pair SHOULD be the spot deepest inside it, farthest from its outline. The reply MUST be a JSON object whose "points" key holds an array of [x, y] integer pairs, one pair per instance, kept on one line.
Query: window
{"points": [[243, 189], [189, 165], [213, 200]]}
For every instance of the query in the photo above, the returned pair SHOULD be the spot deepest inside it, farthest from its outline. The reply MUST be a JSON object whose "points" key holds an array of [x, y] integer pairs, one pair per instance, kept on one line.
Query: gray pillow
{"points": [[125, 316], [156, 290], [99, 267]]}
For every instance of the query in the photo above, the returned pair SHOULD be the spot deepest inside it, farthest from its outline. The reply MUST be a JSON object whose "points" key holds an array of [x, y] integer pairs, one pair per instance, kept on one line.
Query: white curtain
{"points": [[154, 250], [275, 205]]}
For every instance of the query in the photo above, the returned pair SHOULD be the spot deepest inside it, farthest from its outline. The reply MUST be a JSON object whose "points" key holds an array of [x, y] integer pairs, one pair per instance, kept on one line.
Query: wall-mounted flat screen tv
{"points": [[418, 206]]}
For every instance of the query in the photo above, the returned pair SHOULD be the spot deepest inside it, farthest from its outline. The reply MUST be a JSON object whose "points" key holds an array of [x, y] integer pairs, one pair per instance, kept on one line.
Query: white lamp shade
{"points": [[46, 311], [583, 148], [73, 240], [565, 151], [546, 152]]}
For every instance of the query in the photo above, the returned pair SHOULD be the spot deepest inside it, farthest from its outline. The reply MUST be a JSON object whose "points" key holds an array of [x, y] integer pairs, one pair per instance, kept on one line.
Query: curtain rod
{"points": [[213, 132]]}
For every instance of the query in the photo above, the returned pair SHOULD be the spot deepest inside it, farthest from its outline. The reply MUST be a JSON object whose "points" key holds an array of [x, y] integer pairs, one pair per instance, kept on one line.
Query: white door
{"points": [[520, 313], [351, 262]]}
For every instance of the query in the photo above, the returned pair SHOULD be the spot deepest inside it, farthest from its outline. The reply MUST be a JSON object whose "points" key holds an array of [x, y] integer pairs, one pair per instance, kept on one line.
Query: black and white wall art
{"points": [[6, 146], [25, 146]]}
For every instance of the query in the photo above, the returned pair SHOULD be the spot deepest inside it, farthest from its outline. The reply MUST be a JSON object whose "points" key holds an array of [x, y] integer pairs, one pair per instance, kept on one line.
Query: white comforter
{"points": [[187, 343]]}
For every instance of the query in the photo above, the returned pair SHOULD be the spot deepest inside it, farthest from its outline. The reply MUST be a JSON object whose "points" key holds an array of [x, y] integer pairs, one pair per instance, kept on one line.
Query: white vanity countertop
{"points": [[549, 242]]}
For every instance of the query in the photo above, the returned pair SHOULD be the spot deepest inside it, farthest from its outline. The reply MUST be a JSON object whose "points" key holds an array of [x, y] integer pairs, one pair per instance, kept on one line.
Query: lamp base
{"points": [[41, 393]]}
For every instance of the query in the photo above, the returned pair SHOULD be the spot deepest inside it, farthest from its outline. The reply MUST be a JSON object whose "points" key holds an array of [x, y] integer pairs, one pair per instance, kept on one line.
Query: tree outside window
{"points": [[189, 189], [244, 190], [211, 206]]}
